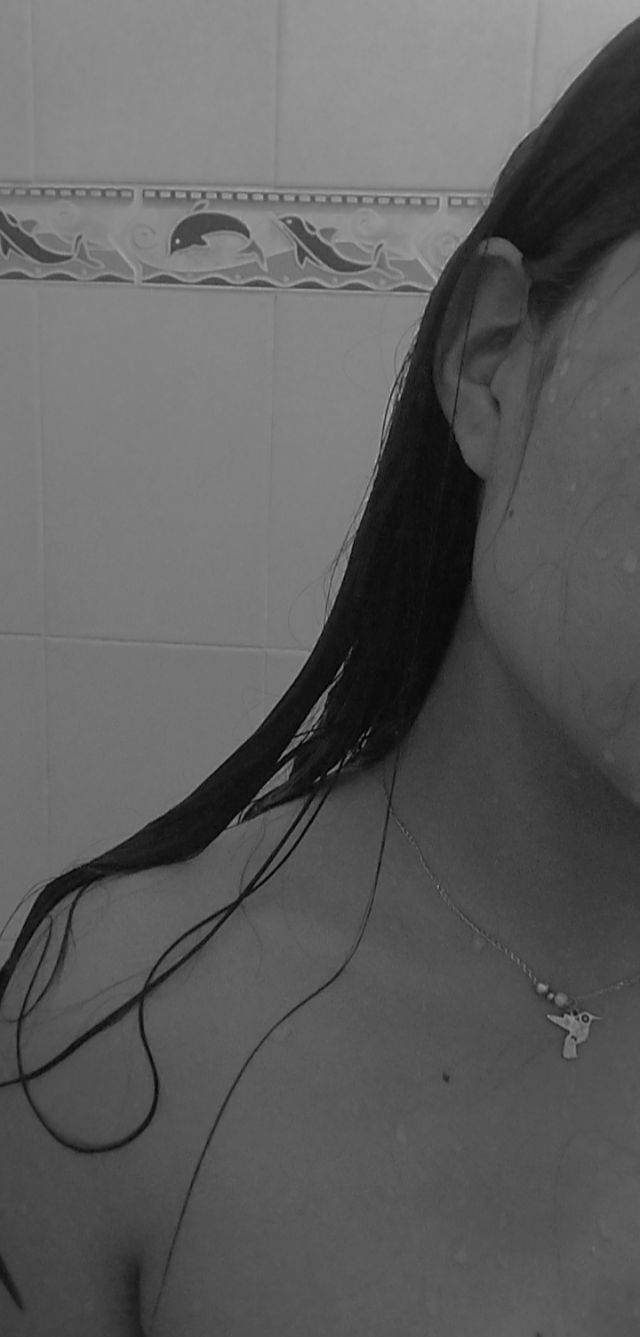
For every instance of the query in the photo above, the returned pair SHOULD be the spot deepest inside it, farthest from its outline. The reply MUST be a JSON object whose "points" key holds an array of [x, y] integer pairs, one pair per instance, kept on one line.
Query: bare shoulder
{"points": [[124, 928], [120, 925], [194, 935], [88, 959]]}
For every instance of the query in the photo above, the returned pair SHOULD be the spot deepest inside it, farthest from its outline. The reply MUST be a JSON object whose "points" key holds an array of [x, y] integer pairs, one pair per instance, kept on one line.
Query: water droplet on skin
{"points": [[565, 366], [478, 944], [591, 306], [553, 394], [572, 487], [609, 757], [630, 563], [461, 1255], [401, 1135], [605, 1228]]}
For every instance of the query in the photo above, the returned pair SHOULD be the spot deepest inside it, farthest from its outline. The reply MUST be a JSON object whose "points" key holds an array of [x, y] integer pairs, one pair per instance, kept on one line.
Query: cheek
{"points": [[585, 491], [557, 582], [601, 603], [576, 506]]}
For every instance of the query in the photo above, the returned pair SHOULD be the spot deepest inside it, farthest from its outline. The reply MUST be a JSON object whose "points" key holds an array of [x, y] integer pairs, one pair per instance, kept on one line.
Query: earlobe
{"points": [[476, 425]]}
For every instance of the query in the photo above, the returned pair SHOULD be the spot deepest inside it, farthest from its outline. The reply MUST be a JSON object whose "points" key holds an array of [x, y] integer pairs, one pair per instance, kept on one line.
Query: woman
{"points": [[423, 1037]]}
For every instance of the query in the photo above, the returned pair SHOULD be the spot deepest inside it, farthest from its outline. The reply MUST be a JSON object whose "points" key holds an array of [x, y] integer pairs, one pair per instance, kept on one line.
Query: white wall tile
{"points": [[133, 729], [336, 361], [23, 775], [157, 427], [155, 89], [21, 586], [570, 34], [282, 668], [402, 94], [16, 92]]}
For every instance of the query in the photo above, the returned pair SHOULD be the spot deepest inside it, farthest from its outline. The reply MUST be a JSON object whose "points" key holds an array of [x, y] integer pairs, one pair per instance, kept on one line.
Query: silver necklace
{"points": [[573, 1019]]}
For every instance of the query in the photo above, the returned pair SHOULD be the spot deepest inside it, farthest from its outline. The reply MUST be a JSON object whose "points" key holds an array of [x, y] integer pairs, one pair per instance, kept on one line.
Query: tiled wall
{"points": [[179, 467]]}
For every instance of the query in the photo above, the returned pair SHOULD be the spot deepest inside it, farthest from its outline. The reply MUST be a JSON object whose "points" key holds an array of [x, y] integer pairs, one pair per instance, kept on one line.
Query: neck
{"points": [[527, 838]]}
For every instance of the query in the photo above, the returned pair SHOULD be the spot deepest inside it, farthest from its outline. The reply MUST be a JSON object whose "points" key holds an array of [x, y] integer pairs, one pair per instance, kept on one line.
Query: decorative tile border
{"points": [[229, 237]]}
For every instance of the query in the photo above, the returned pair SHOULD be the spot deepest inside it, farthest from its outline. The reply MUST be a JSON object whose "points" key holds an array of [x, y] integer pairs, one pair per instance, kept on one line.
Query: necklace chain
{"points": [[541, 989]]}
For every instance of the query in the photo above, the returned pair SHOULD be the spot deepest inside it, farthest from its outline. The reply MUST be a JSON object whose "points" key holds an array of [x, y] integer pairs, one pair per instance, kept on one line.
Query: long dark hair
{"points": [[568, 194]]}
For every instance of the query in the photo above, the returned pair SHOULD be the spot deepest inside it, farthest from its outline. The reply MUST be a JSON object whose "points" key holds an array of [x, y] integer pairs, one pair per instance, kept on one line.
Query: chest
{"points": [[382, 1172]]}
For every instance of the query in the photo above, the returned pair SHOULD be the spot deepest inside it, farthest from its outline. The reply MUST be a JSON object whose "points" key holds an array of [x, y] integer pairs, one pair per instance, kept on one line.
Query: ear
{"points": [[499, 307]]}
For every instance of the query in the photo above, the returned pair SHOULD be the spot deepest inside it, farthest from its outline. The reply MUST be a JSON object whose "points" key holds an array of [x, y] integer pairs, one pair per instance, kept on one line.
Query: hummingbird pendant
{"points": [[578, 1025]]}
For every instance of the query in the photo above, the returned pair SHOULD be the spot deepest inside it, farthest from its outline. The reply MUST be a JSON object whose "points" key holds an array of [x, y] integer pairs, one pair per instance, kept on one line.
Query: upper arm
{"points": [[64, 1244], [200, 1024], [67, 1219]]}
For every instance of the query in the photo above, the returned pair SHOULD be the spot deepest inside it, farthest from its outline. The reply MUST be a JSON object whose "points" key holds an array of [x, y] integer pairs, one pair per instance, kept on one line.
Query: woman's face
{"points": [[556, 580]]}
